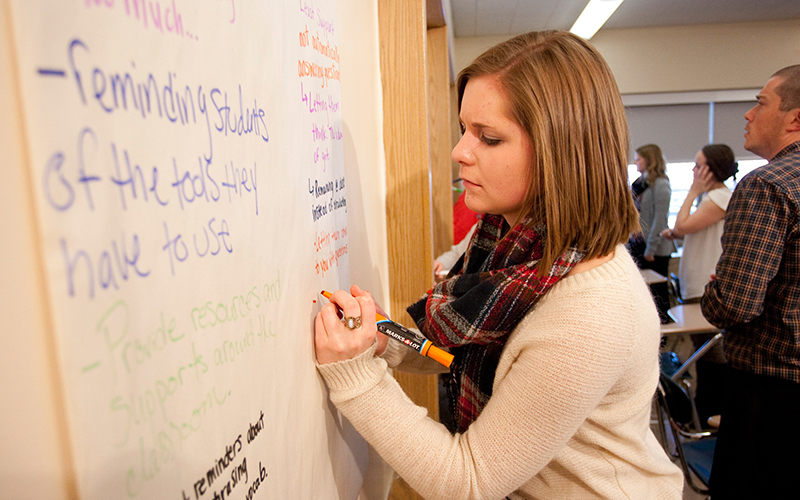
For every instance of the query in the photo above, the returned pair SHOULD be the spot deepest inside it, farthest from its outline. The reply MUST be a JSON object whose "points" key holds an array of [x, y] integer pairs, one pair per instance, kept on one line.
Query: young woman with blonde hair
{"points": [[554, 334], [651, 249]]}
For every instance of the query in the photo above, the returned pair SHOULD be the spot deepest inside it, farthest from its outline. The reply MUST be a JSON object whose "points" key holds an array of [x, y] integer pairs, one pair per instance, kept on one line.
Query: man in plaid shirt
{"points": [[755, 297]]}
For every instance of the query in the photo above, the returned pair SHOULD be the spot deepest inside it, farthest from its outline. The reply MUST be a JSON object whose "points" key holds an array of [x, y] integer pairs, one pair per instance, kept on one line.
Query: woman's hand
{"points": [[383, 340], [704, 180], [439, 273], [336, 342], [706, 214], [667, 233]]}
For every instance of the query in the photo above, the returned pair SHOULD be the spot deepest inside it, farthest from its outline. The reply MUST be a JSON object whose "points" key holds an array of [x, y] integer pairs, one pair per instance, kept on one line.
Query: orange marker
{"points": [[411, 339]]}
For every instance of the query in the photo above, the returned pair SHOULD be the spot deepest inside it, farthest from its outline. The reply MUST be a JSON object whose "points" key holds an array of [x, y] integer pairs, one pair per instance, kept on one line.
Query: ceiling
{"points": [[510, 17]]}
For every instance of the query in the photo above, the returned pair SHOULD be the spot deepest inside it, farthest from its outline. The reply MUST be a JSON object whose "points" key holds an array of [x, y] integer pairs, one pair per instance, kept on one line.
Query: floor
{"points": [[683, 347], [688, 492]]}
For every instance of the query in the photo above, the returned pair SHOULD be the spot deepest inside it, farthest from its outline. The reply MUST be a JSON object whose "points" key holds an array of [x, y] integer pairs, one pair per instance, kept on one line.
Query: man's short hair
{"points": [[789, 88]]}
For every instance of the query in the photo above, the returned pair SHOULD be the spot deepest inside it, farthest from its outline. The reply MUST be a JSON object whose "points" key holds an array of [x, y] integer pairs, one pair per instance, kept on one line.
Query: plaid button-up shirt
{"points": [[756, 294]]}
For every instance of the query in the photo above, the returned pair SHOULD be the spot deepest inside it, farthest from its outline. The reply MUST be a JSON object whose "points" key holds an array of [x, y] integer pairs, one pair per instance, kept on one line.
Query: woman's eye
{"points": [[489, 141]]}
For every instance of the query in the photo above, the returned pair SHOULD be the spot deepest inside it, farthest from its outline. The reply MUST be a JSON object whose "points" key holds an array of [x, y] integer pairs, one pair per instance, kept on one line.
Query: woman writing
{"points": [[552, 327]]}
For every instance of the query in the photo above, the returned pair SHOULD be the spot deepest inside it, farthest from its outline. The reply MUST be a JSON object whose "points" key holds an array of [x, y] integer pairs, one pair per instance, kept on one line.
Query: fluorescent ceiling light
{"points": [[593, 17]]}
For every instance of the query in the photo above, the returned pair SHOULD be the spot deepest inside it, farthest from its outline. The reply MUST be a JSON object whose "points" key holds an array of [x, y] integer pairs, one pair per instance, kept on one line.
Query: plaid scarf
{"points": [[472, 312]]}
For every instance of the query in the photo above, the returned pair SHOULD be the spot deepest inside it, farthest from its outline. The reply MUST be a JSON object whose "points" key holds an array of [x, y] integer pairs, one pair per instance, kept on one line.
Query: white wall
{"points": [[683, 59], [365, 170], [32, 430], [362, 112], [693, 58]]}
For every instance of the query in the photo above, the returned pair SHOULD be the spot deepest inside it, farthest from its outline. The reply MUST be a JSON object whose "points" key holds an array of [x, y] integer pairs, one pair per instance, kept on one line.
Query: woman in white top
{"points": [[701, 230], [443, 263]]}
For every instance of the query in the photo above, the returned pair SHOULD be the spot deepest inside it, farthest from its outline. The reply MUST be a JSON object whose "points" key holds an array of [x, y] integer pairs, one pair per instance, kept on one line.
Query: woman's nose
{"points": [[461, 153]]}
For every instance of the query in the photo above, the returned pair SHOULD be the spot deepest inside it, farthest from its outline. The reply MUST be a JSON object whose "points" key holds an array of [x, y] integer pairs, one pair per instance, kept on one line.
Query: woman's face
{"points": [[699, 160], [641, 163], [494, 152]]}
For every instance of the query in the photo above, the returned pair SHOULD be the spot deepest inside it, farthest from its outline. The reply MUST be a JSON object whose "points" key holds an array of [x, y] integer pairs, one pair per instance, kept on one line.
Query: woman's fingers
{"points": [[344, 328], [706, 175], [330, 337], [322, 341], [369, 309], [346, 302], [358, 292], [330, 318]]}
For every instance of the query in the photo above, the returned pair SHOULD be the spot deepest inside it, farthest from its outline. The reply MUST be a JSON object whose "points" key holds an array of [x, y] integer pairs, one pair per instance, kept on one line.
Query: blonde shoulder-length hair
{"points": [[655, 164], [562, 92]]}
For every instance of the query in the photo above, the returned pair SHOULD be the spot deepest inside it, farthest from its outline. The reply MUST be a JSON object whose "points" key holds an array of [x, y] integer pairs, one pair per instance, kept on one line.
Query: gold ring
{"points": [[351, 322]]}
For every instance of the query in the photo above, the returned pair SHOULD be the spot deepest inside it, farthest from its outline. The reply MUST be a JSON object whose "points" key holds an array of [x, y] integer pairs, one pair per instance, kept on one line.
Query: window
{"points": [[681, 177], [681, 124]]}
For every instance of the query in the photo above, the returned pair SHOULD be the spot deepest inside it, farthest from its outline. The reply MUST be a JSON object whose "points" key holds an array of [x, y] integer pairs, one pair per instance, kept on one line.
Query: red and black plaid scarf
{"points": [[488, 291]]}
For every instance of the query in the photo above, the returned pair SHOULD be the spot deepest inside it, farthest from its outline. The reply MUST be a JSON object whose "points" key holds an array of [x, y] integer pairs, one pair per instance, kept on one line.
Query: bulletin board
{"points": [[186, 164]]}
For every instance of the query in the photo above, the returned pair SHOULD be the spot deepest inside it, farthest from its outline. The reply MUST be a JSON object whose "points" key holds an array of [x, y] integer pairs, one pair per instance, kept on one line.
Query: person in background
{"points": [[553, 331], [701, 231], [650, 249], [443, 263], [464, 221], [755, 297]]}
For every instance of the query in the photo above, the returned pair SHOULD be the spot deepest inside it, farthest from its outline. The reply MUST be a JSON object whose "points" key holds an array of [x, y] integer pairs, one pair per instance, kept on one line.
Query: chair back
{"points": [[694, 449], [674, 286], [678, 402], [669, 362]]}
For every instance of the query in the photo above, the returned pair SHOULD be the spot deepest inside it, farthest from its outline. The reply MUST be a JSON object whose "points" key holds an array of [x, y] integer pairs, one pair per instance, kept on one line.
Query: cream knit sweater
{"points": [[569, 416]]}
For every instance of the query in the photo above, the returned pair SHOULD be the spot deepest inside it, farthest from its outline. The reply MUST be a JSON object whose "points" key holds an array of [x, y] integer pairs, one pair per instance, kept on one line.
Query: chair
{"points": [[674, 287], [693, 447], [670, 365], [688, 321]]}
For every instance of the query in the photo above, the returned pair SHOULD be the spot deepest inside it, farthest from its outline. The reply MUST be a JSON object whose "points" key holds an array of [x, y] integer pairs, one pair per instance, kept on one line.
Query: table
{"points": [[689, 320], [660, 291], [651, 277]]}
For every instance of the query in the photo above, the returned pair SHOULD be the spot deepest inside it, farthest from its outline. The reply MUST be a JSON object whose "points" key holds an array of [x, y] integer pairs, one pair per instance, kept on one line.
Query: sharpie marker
{"points": [[411, 339]]}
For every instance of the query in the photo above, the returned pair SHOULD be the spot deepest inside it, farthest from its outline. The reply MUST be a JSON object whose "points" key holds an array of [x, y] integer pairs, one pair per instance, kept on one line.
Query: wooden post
{"points": [[408, 194], [439, 123]]}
